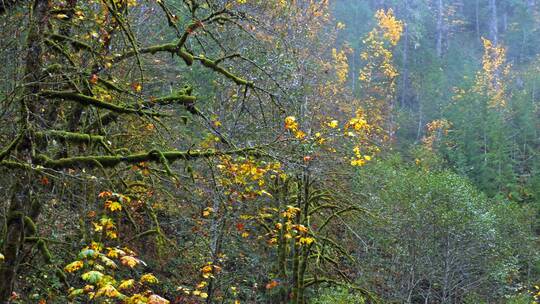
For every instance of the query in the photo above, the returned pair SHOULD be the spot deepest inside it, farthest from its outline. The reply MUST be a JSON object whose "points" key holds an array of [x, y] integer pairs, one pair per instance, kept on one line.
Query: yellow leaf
{"points": [[137, 87], [108, 262], [148, 278], [88, 288], [97, 227], [207, 271], [107, 222], [115, 252], [137, 299], [155, 299], [126, 284], [104, 194], [301, 228], [207, 211], [306, 240], [75, 292], [112, 234], [333, 124], [72, 267], [129, 261], [266, 193], [108, 291], [207, 268], [113, 206]]}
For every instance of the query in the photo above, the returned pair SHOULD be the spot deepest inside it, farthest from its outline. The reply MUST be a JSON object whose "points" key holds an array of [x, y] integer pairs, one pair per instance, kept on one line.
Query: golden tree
{"points": [[378, 76]]}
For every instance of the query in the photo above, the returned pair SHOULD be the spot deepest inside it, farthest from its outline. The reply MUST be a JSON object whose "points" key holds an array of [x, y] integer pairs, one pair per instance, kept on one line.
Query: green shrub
{"points": [[338, 295]]}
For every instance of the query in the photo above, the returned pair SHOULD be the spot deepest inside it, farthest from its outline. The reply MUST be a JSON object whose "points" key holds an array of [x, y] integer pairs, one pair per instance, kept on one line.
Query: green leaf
{"points": [[75, 292], [108, 262], [87, 253], [92, 276]]}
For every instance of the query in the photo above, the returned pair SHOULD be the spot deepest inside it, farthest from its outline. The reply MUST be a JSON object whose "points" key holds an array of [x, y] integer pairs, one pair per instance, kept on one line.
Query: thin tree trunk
{"points": [[440, 27], [405, 71], [493, 24], [477, 18]]}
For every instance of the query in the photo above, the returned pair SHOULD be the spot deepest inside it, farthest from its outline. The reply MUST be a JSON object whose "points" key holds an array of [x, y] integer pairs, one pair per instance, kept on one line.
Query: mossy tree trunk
{"points": [[33, 110]]}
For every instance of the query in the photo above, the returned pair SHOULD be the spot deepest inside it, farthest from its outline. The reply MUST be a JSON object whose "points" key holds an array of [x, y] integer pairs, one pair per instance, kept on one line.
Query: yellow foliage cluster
{"points": [[391, 28], [113, 203], [378, 54], [100, 282], [435, 130], [341, 65], [207, 273], [359, 129], [292, 125], [100, 265], [491, 79], [244, 178], [287, 228], [378, 75], [536, 293], [320, 10], [331, 89]]}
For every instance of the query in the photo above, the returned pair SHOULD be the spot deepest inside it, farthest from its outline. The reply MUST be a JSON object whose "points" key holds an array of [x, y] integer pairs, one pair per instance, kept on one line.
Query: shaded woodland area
{"points": [[270, 151]]}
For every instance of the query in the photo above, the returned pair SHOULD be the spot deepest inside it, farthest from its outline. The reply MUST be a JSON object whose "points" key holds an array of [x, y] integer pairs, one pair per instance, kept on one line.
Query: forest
{"points": [[270, 151]]}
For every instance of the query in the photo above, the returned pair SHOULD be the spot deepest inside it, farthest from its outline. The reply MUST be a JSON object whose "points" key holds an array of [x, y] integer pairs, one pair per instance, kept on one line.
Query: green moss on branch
{"points": [[5, 152], [214, 66], [176, 49], [74, 42], [92, 101], [108, 161], [30, 226], [175, 98], [42, 247], [72, 136]]}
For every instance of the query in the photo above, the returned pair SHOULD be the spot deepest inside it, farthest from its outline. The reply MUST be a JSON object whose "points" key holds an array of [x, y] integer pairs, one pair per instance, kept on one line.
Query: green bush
{"points": [[338, 295]]}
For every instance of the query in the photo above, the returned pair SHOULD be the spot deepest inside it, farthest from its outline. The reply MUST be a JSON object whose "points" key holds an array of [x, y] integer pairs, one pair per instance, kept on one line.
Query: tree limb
{"points": [[89, 100], [108, 161]]}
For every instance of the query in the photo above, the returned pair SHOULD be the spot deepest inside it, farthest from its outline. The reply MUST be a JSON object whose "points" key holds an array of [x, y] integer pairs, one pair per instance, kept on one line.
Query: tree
{"points": [[437, 238], [76, 86]]}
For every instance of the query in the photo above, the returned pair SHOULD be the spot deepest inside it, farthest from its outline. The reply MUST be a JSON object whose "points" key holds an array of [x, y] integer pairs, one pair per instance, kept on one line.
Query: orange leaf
{"points": [[44, 181], [239, 226], [93, 79], [272, 284], [136, 86], [129, 261]]}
